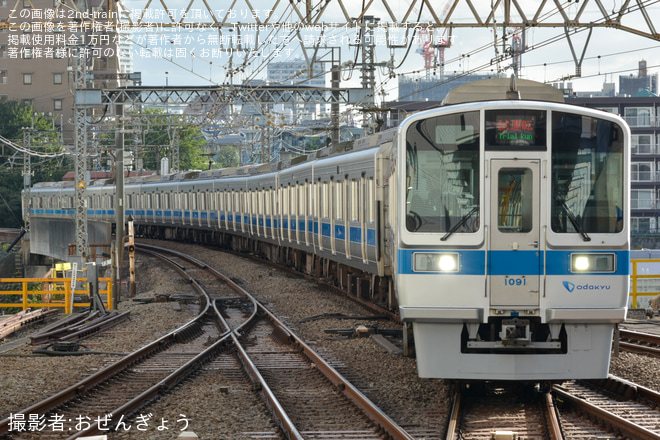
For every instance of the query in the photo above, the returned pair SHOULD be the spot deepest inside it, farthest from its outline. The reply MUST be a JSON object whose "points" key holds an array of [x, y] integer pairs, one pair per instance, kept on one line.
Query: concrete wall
{"points": [[51, 237]]}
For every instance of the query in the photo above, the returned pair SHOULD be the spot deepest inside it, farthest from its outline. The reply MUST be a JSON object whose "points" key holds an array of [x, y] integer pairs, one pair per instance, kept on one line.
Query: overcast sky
{"points": [[195, 57]]}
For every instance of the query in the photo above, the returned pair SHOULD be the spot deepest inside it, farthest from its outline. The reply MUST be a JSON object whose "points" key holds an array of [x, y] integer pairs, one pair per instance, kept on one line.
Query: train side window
{"points": [[339, 199], [285, 200], [302, 198], [355, 201], [314, 196], [324, 200], [267, 201], [294, 199], [371, 200]]}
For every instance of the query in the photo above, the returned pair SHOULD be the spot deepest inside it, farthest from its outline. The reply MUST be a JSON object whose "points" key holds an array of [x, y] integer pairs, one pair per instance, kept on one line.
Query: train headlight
{"points": [[435, 262], [593, 263]]}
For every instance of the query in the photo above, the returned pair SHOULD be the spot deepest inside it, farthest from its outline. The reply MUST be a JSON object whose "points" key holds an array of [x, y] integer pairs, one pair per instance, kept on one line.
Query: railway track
{"points": [[306, 396], [575, 410], [639, 342], [619, 407], [503, 412]]}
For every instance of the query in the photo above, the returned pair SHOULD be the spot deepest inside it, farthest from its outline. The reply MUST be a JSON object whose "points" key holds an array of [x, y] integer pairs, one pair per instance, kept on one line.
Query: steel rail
{"points": [[279, 413], [649, 338], [100, 376], [377, 416], [180, 373], [634, 342], [640, 390], [25, 317], [454, 414], [554, 426], [626, 427]]}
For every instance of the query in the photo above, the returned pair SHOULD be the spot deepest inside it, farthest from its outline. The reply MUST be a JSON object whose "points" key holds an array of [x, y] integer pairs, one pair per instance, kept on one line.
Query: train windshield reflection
{"points": [[587, 165], [442, 173]]}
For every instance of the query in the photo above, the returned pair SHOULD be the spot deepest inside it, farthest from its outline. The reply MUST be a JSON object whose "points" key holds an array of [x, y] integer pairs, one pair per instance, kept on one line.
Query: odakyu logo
{"points": [[571, 287]]}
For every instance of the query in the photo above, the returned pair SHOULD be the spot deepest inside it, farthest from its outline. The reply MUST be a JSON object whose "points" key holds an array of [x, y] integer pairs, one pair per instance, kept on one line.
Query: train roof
{"points": [[496, 89]]}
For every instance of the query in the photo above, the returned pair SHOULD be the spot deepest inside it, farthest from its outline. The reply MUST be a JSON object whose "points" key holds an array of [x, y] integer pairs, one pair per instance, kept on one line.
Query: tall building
{"points": [[296, 73], [643, 81], [38, 42]]}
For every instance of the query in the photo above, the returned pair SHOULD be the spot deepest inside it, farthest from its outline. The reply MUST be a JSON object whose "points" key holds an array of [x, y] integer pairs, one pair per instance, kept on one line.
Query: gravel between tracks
{"points": [[389, 380]]}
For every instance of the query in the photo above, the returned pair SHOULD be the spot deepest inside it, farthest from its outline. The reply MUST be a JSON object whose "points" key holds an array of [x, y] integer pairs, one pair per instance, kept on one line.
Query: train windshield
{"points": [[442, 174], [587, 165]]}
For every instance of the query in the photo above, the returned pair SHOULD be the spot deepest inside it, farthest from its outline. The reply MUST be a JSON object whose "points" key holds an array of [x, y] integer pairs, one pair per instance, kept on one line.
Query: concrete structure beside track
{"points": [[51, 237]]}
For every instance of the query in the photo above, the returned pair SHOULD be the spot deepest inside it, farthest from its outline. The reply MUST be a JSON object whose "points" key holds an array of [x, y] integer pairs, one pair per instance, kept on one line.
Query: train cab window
{"points": [[587, 175], [442, 173]]}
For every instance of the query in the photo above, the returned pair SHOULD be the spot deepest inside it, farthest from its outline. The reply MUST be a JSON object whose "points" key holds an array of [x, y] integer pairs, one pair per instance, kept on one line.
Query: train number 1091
{"points": [[515, 281]]}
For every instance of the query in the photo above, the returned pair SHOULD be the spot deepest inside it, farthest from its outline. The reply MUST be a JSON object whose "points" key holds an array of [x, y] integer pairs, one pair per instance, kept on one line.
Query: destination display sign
{"points": [[515, 129]]}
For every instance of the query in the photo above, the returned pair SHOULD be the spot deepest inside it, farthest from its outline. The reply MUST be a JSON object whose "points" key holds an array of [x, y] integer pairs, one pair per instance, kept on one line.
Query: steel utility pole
{"points": [[80, 144]]}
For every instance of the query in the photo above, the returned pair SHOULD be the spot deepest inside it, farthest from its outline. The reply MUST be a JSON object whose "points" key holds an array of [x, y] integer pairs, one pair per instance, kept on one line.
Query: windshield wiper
{"points": [[461, 222], [574, 221]]}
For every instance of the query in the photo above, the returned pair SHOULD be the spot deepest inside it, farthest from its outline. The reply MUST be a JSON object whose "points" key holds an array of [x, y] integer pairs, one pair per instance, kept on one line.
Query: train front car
{"points": [[513, 246]]}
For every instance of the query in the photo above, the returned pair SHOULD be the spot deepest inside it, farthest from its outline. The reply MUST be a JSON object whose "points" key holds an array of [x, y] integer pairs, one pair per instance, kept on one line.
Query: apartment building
{"points": [[38, 39], [642, 113]]}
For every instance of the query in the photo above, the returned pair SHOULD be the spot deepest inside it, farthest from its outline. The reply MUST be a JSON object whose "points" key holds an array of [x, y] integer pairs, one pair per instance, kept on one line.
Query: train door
{"points": [[514, 261]]}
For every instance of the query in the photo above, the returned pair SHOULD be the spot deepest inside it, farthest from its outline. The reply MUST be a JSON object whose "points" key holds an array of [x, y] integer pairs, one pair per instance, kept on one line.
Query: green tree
{"points": [[10, 200], [159, 128], [14, 116], [227, 157]]}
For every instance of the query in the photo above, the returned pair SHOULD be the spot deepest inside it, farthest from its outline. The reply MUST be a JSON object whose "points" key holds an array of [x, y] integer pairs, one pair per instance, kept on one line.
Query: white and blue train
{"points": [[497, 227]]}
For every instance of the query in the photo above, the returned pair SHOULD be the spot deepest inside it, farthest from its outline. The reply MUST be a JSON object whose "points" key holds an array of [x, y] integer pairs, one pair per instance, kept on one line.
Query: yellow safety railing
{"points": [[636, 276], [52, 292]]}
